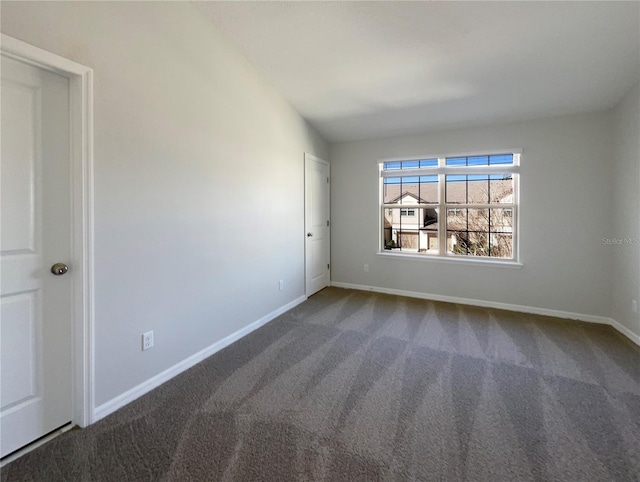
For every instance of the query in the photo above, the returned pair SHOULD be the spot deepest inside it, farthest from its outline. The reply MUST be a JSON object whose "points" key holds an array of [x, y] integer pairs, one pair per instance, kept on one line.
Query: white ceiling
{"points": [[371, 69]]}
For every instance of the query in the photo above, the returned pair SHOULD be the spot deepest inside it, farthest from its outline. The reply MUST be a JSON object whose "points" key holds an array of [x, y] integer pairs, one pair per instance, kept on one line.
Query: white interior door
{"points": [[317, 224], [36, 323]]}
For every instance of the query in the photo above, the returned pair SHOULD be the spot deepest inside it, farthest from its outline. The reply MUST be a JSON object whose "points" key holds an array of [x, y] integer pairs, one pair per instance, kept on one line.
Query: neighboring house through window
{"points": [[476, 194]]}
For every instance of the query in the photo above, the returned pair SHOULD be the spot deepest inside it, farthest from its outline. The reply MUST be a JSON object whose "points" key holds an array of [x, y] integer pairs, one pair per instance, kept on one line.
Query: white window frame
{"points": [[442, 170]]}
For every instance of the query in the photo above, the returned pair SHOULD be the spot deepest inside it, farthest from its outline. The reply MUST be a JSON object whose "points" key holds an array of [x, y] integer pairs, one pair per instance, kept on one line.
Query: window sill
{"points": [[454, 260]]}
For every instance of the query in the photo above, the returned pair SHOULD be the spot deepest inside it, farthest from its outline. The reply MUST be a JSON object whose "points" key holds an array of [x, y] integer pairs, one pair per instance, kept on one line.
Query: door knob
{"points": [[309, 235], [59, 269]]}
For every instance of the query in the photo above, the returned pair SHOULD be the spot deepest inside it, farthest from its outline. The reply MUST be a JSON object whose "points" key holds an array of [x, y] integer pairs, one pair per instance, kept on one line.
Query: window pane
{"points": [[412, 230], [428, 189], [468, 219], [502, 245], [468, 161], [479, 189], [496, 159], [501, 233], [391, 188], [429, 163], [468, 231], [410, 180], [471, 189], [470, 243], [410, 190], [478, 161], [393, 165], [410, 164], [456, 189], [480, 232], [501, 188], [501, 220], [501, 159], [456, 161]]}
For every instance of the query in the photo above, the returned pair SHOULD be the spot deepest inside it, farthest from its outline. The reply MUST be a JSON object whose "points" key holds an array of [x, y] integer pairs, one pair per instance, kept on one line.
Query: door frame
{"points": [[82, 248], [311, 157]]}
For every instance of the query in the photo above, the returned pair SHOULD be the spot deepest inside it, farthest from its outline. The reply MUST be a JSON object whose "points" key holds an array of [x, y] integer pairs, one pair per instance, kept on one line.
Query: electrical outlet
{"points": [[634, 306], [147, 340], [281, 285], [366, 268]]}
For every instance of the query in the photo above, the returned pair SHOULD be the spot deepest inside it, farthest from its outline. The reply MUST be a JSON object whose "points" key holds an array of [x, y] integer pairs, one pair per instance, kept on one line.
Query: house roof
{"points": [[457, 192], [406, 193]]}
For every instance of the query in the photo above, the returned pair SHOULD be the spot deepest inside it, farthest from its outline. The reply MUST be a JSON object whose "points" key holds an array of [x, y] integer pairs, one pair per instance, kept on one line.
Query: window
{"points": [[451, 206]]}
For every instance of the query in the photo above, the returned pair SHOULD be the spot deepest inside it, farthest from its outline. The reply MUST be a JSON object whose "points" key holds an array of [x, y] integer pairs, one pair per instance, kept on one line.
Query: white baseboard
{"points": [[145, 387], [626, 331], [130, 395], [493, 304]]}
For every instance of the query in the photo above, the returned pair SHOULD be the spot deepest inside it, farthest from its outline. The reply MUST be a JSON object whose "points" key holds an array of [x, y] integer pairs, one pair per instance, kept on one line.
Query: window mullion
{"points": [[479, 206], [462, 170], [442, 217]]}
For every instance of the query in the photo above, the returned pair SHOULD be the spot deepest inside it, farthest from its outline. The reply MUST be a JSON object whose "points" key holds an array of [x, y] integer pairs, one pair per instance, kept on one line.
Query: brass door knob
{"points": [[59, 269]]}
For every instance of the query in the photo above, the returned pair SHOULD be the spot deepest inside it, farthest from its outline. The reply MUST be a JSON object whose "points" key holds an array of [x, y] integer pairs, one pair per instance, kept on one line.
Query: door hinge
{"points": [[327, 266], [327, 180], [327, 222]]}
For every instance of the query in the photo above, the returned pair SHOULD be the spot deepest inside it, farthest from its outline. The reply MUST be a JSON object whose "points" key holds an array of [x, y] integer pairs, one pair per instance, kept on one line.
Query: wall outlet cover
{"points": [[147, 340]]}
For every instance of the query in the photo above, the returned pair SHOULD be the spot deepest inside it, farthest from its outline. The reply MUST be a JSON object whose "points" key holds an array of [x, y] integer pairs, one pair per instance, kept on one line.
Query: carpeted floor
{"points": [[361, 386]]}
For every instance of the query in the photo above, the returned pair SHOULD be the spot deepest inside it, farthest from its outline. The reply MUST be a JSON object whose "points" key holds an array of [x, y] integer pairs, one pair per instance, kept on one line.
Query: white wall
{"points": [[565, 212], [183, 126], [626, 210]]}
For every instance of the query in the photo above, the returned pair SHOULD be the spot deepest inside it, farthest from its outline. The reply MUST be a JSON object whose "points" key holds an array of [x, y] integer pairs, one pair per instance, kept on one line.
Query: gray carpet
{"points": [[361, 386]]}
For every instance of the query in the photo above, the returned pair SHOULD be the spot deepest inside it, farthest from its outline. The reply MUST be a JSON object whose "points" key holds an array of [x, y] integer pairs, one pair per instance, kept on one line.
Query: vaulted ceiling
{"points": [[372, 69]]}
